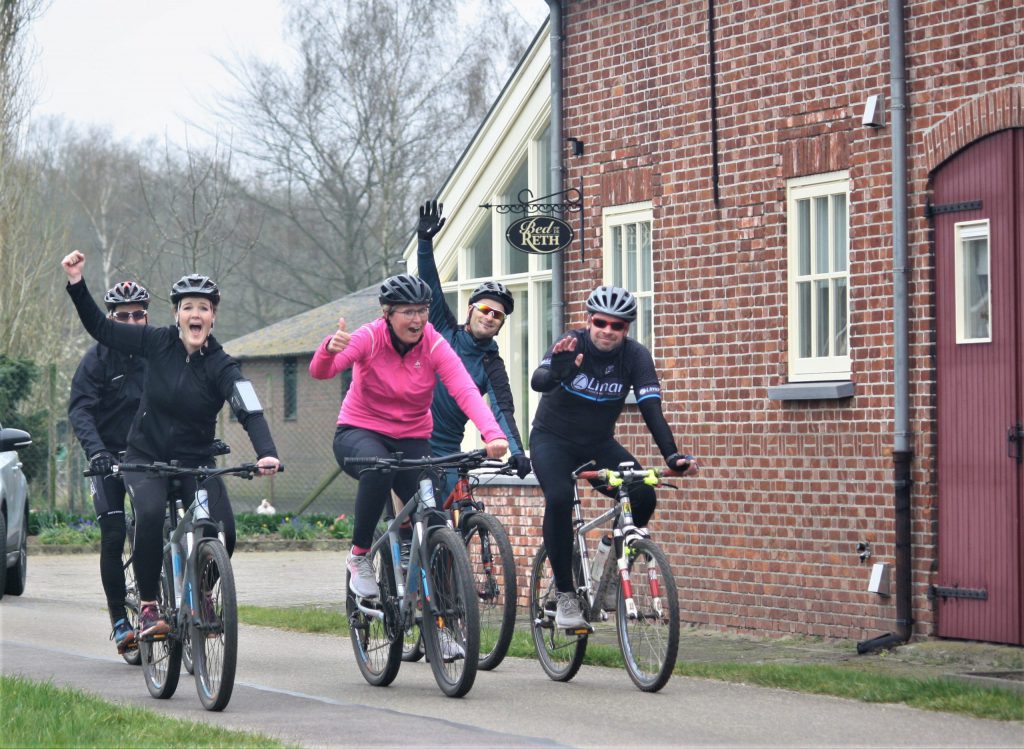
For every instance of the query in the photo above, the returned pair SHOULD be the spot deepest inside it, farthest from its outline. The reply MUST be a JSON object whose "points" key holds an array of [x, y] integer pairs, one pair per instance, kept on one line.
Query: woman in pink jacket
{"points": [[395, 361]]}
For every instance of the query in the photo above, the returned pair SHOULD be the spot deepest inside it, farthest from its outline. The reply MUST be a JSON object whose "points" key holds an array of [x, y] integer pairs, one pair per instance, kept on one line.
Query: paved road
{"points": [[306, 689]]}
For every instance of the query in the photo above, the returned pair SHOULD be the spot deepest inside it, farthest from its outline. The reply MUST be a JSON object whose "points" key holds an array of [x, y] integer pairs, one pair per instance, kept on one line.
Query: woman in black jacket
{"points": [[188, 379]]}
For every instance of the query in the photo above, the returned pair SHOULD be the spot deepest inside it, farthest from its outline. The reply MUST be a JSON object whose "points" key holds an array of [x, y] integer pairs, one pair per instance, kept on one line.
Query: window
{"points": [[629, 262], [818, 246], [973, 288], [289, 369]]}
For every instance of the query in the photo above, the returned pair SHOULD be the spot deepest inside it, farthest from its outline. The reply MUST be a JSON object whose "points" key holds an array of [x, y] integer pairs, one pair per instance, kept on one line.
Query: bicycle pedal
{"points": [[578, 631]]}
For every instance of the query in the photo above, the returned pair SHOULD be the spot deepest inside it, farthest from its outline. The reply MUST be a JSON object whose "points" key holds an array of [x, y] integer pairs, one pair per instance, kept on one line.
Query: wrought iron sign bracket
{"points": [[555, 234]]}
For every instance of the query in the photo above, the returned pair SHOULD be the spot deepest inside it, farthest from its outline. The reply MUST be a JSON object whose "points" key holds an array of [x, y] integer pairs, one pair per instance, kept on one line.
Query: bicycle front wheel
{"points": [[649, 639], [214, 630], [161, 657], [375, 629], [451, 619], [131, 592], [494, 577], [560, 654]]}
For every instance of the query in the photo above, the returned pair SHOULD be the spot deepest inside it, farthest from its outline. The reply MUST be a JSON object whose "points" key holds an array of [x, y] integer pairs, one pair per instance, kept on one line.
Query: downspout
{"points": [[902, 451], [558, 259]]}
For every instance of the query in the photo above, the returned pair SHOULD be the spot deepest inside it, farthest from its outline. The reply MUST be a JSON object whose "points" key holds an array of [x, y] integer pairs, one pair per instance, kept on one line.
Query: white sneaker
{"points": [[568, 615], [451, 650], [362, 579]]}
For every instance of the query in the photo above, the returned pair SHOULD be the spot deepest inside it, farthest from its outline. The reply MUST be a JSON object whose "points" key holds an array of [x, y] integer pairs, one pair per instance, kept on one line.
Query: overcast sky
{"points": [[146, 68]]}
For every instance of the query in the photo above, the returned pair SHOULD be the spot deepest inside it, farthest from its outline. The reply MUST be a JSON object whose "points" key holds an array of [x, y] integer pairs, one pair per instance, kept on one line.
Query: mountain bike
{"points": [[431, 588], [493, 562], [633, 583], [196, 591]]}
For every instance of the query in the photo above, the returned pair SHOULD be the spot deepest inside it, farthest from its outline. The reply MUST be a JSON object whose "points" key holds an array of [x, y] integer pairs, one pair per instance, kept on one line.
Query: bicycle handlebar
{"points": [[654, 475], [396, 462], [246, 470]]}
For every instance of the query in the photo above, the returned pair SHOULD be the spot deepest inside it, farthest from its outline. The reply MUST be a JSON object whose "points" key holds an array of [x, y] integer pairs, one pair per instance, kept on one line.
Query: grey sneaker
{"points": [[568, 614], [362, 579], [451, 650]]}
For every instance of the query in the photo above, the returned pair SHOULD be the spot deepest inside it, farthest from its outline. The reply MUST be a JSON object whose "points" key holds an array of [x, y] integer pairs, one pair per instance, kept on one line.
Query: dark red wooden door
{"points": [[980, 379]]}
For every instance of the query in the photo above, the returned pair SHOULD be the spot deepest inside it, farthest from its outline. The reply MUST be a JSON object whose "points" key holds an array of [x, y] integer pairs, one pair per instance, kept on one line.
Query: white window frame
{"points": [[963, 232], [830, 366], [641, 283]]}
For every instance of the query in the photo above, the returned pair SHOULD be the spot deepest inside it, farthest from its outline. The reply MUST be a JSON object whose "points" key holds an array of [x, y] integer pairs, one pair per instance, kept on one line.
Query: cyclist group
{"points": [[418, 376]]}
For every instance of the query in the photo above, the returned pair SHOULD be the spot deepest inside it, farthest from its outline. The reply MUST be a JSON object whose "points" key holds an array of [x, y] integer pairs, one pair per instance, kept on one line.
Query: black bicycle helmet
{"points": [[126, 292], [494, 290], [404, 289], [195, 285], [614, 301]]}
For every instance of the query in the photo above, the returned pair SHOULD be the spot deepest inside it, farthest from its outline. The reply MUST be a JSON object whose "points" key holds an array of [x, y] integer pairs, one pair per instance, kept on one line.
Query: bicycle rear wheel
{"points": [[560, 654], [161, 658], [131, 592], [494, 578], [451, 625], [650, 640], [214, 629], [377, 636]]}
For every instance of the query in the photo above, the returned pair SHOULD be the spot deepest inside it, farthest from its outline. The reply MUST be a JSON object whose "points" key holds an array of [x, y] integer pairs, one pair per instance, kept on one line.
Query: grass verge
{"points": [[945, 695], [38, 714]]}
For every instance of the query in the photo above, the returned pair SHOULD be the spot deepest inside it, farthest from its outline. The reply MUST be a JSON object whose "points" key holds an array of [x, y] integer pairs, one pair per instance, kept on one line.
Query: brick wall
{"points": [[765, 538]]}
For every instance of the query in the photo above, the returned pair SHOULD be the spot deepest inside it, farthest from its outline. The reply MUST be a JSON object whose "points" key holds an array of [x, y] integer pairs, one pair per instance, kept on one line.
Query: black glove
{"points": [[102, 462], [563, 365], [681, 463], [430, 220], [522, 465]]}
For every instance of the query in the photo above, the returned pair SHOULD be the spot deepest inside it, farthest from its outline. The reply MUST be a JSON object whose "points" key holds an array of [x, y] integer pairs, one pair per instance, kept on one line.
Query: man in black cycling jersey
{"points": [[105, 394], [489, 305], [585, 378]]}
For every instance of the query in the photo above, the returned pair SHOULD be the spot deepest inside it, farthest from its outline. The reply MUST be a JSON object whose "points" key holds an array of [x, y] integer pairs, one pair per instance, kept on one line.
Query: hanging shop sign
{"points": [[539, 235]]}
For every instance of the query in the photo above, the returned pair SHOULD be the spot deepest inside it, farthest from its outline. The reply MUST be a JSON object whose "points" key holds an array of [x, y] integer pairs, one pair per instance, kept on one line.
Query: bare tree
{"points": [[385, 97]]}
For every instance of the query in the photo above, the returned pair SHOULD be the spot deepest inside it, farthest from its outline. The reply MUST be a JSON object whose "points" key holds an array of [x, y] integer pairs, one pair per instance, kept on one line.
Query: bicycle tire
{"points": [[494, 578], [649, 642], [161, 659], [412, 644], [454, 613], [131, 656], [377, 642], [214, 628], [560, 654], [187, 660]]}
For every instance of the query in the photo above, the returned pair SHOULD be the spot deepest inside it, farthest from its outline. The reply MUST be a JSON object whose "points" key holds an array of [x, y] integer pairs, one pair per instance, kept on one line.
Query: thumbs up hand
{"points": [[339, 341]]}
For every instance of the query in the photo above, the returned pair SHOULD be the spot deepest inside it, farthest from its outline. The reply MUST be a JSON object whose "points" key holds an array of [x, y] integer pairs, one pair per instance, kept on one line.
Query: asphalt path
{"points": [[306, 689]]}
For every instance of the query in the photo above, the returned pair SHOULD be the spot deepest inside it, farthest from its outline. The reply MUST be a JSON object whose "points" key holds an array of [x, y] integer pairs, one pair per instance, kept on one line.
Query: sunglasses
{"points": [[139, 314], [616, 325], [497, 314]]}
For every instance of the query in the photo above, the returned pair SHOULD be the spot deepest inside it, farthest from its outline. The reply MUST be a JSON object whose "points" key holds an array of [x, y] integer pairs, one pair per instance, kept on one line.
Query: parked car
{"points": [[13, 512]]}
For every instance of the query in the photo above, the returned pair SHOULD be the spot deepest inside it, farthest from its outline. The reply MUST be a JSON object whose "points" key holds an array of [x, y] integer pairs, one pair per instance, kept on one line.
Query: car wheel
{"points": [[17, 575]]}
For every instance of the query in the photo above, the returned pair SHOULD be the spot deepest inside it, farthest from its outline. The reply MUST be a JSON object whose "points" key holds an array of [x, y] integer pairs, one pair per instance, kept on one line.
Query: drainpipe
{"points": [[902, 453], [557, 260]]}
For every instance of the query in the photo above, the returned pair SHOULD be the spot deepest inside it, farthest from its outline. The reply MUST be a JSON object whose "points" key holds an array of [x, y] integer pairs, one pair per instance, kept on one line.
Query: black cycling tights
{"points": [[554, 459], [108, 500], [375, 486], [149, 497]]}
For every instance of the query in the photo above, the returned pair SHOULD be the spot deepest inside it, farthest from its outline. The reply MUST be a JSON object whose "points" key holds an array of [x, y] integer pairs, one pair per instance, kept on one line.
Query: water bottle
{"points": [[202, 511], [600, 556], [427, 493]]}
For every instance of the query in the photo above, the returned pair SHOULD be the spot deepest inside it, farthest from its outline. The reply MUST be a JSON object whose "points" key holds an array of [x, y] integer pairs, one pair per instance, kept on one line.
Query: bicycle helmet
{"points": [[126, 292], [614, 301], [195, 285], [404, 289], [493, 290]]}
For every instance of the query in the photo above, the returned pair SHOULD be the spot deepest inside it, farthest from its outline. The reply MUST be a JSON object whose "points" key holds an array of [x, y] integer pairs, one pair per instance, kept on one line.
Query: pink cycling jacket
{"points": [[391, 394]]}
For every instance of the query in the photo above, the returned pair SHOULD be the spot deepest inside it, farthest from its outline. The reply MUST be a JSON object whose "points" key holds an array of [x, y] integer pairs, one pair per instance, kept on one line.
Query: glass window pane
{"points": [[821, 235], [803, 237], [479, 265], [839, 314], [646, 318], [803, 293], [515, 261], [821, 313], [545, 315], [646, 262], [629, 261], [451, 298], [616, 255], [839, 238], [976, 288]]}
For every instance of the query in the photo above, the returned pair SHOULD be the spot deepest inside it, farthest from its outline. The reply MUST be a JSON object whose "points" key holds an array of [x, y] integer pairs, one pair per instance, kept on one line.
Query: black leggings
{"points": [[108, 501], [375, 487], [149, 497], [554, 459]]}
